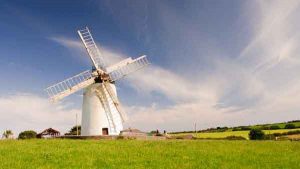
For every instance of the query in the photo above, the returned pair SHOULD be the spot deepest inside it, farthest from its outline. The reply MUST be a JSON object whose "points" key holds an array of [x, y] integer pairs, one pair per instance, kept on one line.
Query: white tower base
{"points": [[94, 118]]}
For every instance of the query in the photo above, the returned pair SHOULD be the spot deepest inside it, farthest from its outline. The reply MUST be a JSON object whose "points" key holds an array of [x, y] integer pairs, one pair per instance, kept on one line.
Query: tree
{"points": [[236, 129], [7, 134], [290, 126], [73, 130], [274, 127], [28, 134], [245, 128], [256, 134]]}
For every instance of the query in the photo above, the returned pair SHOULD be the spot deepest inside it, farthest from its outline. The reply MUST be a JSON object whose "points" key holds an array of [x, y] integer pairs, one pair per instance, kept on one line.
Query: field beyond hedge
{"points": [[148, 154], [231, 133]]}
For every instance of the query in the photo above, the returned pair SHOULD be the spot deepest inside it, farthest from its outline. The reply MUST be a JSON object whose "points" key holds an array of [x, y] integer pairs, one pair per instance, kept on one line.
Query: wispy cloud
{"points": [[275, 32], [259, 85], [236, 91]]}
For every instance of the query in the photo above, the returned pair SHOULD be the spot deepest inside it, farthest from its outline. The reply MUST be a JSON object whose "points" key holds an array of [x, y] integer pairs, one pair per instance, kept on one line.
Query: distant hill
{"points": [[271, 126]]}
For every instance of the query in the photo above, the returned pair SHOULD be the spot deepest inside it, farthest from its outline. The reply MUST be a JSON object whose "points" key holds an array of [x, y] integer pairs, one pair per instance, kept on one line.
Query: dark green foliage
{"points": [[29, 134], [294, 121], [287, 133], [290, 126], [274, 127], [274, 135], [241, 128], [293, 132], [256, 134], [245, 128], [235, 138], [265, 127], [73, 131]]}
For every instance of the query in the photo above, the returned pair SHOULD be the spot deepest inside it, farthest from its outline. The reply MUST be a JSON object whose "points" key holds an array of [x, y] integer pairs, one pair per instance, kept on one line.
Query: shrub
{"points": [[29, 134], [294, 121], [265, 128], [274, 127], [236, 129], [235, 138], [73, 131], [269, 137], [290, 126], [243, 128], [293, 132], [256, 134]]}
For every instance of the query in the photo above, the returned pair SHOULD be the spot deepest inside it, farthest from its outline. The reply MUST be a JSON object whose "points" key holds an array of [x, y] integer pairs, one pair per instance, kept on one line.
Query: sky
{"points": [[213, 63]]}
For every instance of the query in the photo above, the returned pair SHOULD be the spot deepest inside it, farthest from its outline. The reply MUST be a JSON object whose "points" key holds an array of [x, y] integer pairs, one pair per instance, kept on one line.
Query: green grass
{"points": [[281, 125], [148, 154], [232, 133]]}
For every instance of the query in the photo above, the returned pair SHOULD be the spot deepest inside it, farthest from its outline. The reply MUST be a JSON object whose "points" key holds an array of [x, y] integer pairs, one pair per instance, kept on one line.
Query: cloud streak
{"points": [[260, 84], [245, 89]]}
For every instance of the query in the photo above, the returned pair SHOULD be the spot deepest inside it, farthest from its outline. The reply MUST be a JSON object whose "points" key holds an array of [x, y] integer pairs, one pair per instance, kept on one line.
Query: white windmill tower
{"points": [[101, 110]]}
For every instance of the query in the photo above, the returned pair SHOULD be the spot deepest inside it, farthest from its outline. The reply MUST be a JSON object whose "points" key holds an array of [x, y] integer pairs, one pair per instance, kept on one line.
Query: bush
{"points": [[236, 129], [290, 126], [269, 137], [274, 127], [287, 133], [235, 138], [294, 121], [73, 131], [256, 134], [29, 134], [243, 128], [293, 132], [265, 128]]}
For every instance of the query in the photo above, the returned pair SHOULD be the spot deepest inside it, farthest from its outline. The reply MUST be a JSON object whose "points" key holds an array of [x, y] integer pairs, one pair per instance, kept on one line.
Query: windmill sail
{"points": [[100, 98], [92, 48], [115, 101], [70, 85], [130, 67], [108, 111]]}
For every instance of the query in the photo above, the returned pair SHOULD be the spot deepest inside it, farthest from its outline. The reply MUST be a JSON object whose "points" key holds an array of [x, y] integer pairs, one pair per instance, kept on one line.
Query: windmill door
{"points": [[104, 131]]}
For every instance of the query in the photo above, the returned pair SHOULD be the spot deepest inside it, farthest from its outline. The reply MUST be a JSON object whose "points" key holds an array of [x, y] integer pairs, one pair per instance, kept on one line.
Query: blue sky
{"points": [[213, 62]]}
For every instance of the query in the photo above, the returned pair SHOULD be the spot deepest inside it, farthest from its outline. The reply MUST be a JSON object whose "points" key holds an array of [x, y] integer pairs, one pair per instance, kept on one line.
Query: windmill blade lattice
{"points": [[70, 85], [135, 65], [105, 104], [115, 100], [92, 48], [100, 97]]}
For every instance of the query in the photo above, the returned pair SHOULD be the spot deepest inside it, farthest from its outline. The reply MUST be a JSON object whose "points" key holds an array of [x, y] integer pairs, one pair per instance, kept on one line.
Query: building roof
{"points": [[49, 131]]}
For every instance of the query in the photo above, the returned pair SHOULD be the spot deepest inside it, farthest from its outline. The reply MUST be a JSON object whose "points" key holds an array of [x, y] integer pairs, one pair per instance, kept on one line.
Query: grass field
{"points": [[281, 125], [232, 133], [148, 154]]}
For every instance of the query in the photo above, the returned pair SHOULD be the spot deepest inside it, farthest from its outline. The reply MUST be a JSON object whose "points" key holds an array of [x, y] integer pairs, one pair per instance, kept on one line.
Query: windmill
{"points": [[102, 113]]}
